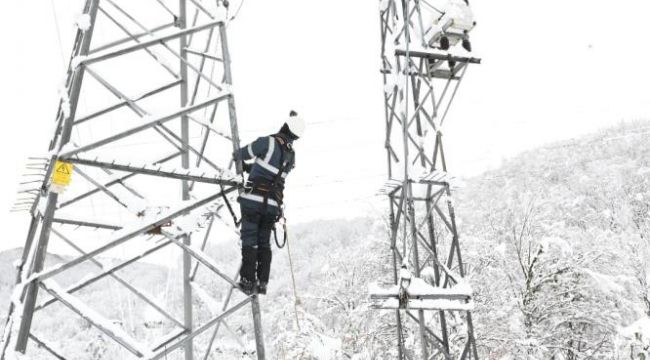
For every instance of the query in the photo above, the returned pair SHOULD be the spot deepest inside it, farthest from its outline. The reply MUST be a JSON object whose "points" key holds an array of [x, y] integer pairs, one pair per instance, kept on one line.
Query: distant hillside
{"points": [[579, 178], [557, 241], [8, 261], [333, 262], [556, 244]]}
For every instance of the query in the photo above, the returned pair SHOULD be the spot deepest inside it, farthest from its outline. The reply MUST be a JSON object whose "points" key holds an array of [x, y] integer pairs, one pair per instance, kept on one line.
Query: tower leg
{"points": [[185, 162], [40, 248], [257, 317], [259, 335], [38, 261]]}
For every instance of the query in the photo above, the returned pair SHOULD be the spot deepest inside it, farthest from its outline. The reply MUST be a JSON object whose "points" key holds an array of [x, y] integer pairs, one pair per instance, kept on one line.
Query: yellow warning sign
{"points": [[62, 173]]}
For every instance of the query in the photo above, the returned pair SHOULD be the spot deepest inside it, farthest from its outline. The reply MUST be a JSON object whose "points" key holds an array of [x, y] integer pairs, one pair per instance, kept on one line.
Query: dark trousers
{"points": [[256, 228]]}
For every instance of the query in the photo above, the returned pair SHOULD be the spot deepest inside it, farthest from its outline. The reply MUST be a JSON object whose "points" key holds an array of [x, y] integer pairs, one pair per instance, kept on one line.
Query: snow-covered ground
{"points": [[555, 241]]}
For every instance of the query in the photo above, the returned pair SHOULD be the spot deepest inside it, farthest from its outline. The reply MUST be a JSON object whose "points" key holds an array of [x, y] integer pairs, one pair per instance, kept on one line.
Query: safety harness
{"points": [[274, 188]]}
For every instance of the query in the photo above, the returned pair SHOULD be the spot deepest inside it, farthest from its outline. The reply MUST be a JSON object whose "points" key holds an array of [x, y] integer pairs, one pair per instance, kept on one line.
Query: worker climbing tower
{"points": [[139, 168], [426, 52]]}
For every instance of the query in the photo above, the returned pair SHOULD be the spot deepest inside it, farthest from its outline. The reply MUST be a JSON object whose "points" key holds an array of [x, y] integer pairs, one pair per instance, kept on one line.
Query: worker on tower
{"points": [[268, 160]]}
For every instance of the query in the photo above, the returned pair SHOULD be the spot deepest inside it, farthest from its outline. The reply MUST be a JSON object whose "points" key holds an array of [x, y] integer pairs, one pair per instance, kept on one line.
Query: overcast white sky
{"points": [[552, 70]]}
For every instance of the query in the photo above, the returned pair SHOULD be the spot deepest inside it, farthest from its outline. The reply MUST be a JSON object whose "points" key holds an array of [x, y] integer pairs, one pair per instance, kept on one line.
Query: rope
{"points": [[293, 278], [237, 12], [58, 33]]}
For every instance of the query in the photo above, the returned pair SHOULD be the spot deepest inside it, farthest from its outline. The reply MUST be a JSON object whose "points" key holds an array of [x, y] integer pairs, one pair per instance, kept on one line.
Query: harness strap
{"points": [[279, 174], [275, 235], [229, 206]]}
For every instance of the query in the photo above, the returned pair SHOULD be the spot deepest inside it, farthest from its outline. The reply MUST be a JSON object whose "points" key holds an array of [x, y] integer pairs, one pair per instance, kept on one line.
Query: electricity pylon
{"points": [[143, 169], [425, 54]]}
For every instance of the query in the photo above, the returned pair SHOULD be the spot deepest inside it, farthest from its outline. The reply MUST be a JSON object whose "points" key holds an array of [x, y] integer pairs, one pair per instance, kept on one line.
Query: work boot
{"points": [[248, 264], [247, 286], [264, 256], [261, 288], [444, 43], [467, 45]]}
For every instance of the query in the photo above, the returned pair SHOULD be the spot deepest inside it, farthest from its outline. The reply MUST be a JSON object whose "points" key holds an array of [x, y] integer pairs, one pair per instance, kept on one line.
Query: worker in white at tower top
{"points": [[452, 21], [268, 160]]}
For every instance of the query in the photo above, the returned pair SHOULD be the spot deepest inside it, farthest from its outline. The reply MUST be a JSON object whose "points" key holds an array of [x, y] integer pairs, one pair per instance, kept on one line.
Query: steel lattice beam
{"points": [[196, 89], [420, 83]]}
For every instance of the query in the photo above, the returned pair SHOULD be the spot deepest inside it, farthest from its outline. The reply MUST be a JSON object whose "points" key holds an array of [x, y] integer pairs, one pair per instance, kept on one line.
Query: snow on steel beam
{"points": [[419, 289], [158, 121], [85, 224], [111, 272], [145, 44], [130, 233], [158, 170], [438, 56], [97, 320], [424, 304]]}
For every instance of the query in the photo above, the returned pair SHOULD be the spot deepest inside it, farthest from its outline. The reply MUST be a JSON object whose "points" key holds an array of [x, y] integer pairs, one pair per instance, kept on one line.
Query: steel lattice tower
{"points": [[423, 63], [150, 155]]}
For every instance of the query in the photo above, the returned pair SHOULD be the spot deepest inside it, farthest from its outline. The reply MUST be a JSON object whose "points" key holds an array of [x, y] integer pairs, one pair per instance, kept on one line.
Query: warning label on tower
{"points": [[62, 173]]}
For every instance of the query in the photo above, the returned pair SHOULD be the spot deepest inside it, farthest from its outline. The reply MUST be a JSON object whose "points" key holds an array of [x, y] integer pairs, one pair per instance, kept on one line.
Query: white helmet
{"points": [[296, 124]]}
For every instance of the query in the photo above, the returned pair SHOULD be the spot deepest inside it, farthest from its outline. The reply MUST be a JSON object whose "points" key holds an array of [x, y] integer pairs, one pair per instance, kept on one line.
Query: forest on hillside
{"points": [[556, 243], [557, 240]]}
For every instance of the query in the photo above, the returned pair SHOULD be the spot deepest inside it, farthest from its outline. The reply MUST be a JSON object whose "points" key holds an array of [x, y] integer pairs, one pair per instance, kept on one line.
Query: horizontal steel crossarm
{"points": [[94, 318], [215, 320], [145, 44], [114, 182], [130, 234], [145, 126], [85, 224], [156, 171], [421, 304], [449, 296], [437, 56]]}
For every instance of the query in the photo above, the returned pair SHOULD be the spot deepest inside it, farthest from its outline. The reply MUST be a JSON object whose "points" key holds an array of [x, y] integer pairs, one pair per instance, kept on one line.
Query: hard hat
{"points": [[296, 124]]}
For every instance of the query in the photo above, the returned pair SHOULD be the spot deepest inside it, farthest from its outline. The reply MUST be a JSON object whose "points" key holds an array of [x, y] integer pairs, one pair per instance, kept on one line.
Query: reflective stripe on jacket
{"points": [[267, 153]]}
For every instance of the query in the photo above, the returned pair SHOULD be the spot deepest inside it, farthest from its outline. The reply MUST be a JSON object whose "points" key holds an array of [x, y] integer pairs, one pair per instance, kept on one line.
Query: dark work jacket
{"points": [[266, 153]]}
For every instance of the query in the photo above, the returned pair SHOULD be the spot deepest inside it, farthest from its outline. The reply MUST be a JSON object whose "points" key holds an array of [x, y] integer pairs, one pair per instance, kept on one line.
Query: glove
{"points": [[247, 167], [235, 155]]}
